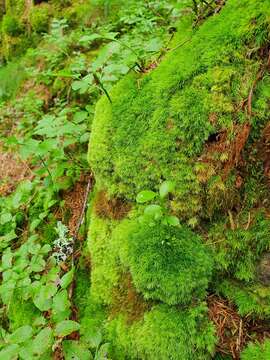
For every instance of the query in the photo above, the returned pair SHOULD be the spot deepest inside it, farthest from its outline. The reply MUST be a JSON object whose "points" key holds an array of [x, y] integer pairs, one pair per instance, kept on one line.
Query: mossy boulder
{"points": [[197, 120]]}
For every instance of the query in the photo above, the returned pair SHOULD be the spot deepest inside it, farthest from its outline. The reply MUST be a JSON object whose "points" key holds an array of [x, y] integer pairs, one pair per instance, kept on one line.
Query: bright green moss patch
{"points": [[238, 246], [158, 123], [251, 300], [164, 333], [104, 264], [166, 263], [257, 351]]}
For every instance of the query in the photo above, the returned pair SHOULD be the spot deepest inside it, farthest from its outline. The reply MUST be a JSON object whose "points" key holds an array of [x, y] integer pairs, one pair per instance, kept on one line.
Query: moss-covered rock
{"points": [[197, 120]]}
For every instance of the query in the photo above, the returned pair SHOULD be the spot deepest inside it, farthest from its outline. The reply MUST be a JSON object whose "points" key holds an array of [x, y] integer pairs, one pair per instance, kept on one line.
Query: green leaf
{"points": [[165, 188], [43, 298], [73, 350], [7, 290], [103, 352], [20, 335], [145, 196], [5, 218], [173, 220], [66, 327], [43, 341], [60, 307], [67, 279], [6, 239], [7, 259], [153, 211], [34, 224], [10, 352], [95, 339]]}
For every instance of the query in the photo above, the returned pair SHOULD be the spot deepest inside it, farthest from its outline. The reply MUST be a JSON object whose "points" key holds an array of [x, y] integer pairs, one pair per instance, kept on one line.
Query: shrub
{"points": [[11, 25], [166, 263]]}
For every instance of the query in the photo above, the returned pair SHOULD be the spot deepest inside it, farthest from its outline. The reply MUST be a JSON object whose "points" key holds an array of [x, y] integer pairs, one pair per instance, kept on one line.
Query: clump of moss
{"points": [[164, 333], [104, 260], [166, 263], [239, 243], [256, 351], [11, 25], [39, 18], [252, 300], [128, 301]]}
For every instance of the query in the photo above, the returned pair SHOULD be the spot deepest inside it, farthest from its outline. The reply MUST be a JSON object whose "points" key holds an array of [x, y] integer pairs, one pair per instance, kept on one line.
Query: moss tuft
{"points": [[164, 333], [166, 263]]}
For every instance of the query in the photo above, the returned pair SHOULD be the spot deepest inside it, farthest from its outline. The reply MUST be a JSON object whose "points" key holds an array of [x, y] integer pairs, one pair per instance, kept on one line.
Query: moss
{"points": [[166, 263], [132, 147], [128, 301], [187, 121], [252, 300], [104, 260], [257, 351], [39, 18], [164, 333], [11, 25], [110, 208], [239, 242]]}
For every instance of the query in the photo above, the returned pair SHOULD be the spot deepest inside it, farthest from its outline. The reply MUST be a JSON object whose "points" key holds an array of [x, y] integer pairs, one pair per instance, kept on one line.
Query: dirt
{"points": [[113, 208], [74, 203], [128, 301], [13, 170]]}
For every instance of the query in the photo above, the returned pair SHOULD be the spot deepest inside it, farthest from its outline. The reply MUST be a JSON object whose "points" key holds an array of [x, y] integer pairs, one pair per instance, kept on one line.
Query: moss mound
{"points": [[166, 263], [164, 333]]}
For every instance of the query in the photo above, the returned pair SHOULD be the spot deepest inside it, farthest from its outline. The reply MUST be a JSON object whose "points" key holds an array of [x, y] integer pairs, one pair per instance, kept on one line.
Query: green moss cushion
{"points": [[166, 263]]}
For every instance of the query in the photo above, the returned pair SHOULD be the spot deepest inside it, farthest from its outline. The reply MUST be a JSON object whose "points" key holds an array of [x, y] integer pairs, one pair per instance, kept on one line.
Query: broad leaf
{"points": [[66, 327], [145, 196], [67, 279], [43, 341], [9, 352], [73, 350], [153, 211], [165, 188], [20, 335]]}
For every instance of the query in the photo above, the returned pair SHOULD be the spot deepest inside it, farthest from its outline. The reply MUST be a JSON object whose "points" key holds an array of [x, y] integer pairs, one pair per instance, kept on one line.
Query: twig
{"points": [[231, 220], [75, 236], [248, 223]]}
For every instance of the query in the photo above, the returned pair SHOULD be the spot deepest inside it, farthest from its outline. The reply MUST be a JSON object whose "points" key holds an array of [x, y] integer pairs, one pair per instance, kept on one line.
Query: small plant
{"points": [[158, 212], [63, 245]]}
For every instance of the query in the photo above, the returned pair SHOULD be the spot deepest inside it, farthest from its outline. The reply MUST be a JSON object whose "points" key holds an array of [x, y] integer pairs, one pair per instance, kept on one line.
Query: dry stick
{"points": [[75, 236]]}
